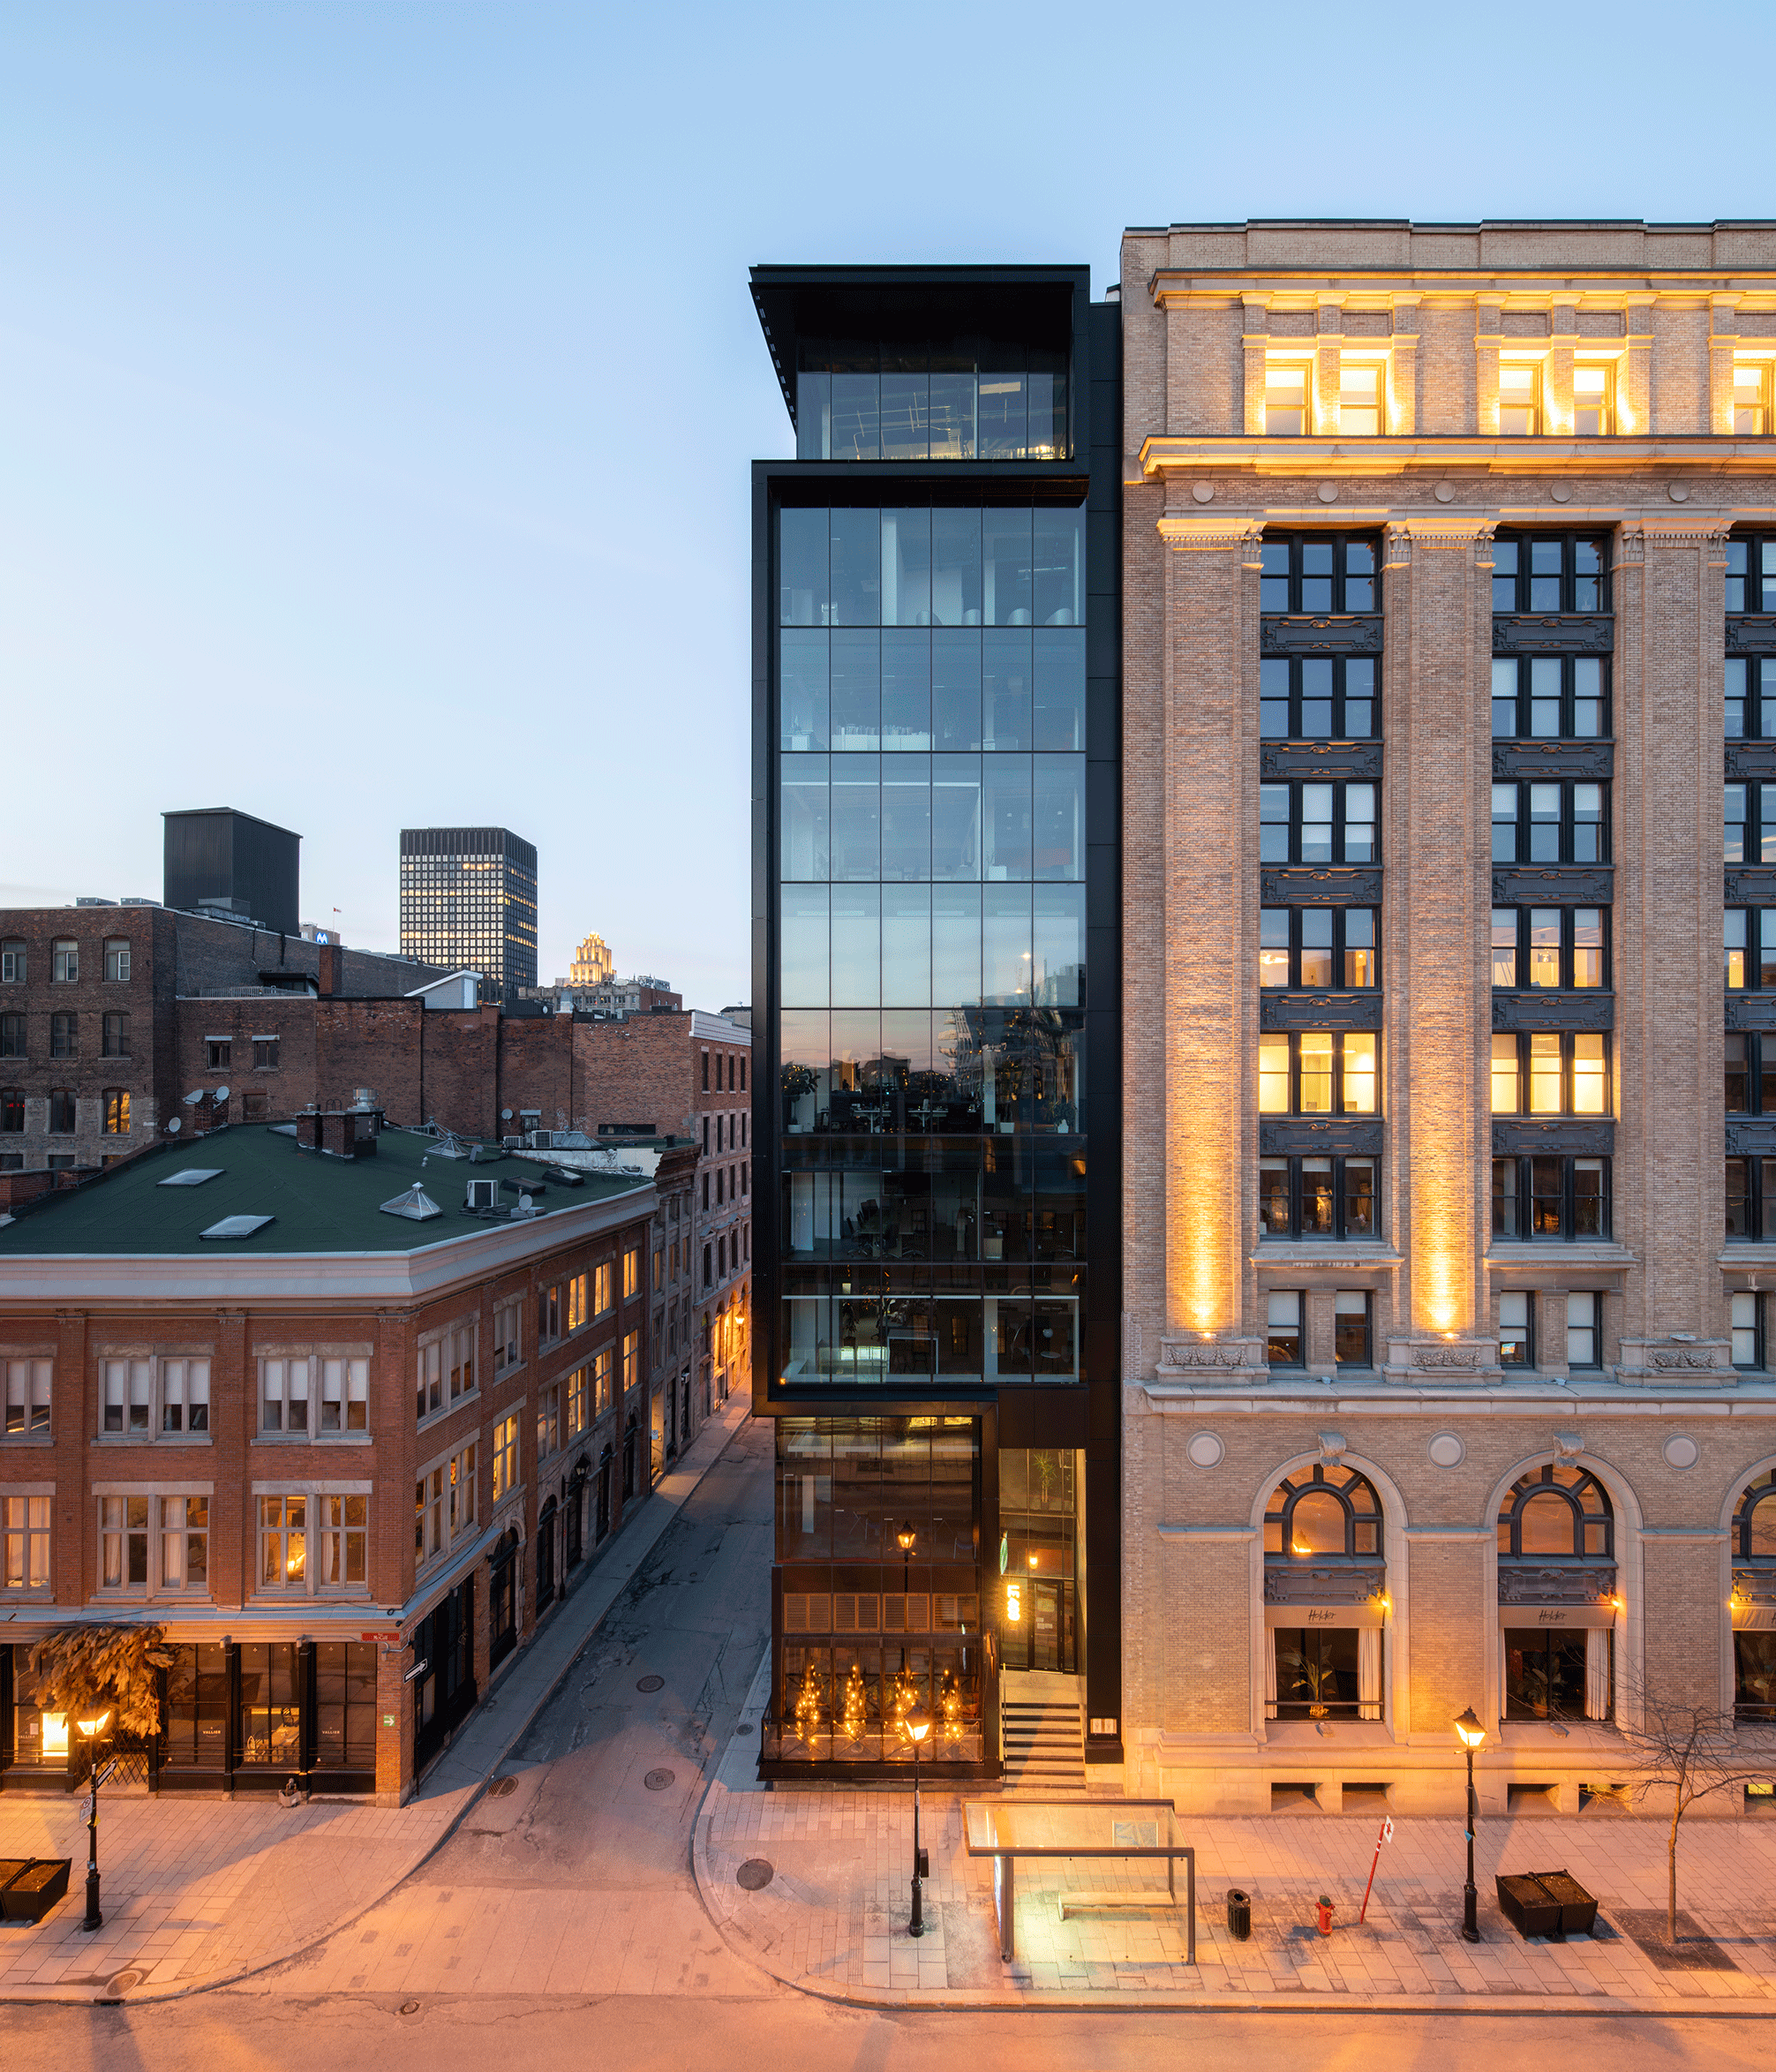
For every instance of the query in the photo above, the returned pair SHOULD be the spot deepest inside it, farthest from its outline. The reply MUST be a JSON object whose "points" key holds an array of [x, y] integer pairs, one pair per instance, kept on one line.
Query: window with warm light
{"points": [[1285, 397], [25, 1542], [1316, 948], [1517, 1328], [1552, 947], [1551, 1199], [1318, 1072], [1359, 398], [1559, 1074], [1751, 386], [1594, 399], [1519, 399]]}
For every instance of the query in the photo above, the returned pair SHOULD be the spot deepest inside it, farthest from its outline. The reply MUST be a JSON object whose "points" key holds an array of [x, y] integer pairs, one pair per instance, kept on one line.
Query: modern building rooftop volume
{"points": [[468, 901], [233, 865]]}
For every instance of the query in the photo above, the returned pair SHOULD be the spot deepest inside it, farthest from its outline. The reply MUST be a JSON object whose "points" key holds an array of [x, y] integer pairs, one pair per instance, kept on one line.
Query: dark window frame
{"points": [[219, 1054], [1569, 932], [1524, 1198], [1581, 589], [1757, 1327], [1284, 590], [1294, 1036], [1358, 1521], [1756, 974], [14, 1032], [64, 1036], [61, 1104], [1367, 1354], [114, 1036], [1569, 827], [1759, 1491], [1750, 1188], [1521, 704], [1342, 1176], [1759, 796], [1755, 1098], [1523, 1038], [1751, 687], [1339, 951], [1340, 788], [1587, 1518], [1751, 573], [1528, 1362], [1290, 671]]}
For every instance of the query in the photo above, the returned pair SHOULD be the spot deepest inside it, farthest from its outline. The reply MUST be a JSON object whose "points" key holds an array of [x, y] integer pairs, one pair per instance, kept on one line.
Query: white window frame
{"points": [[161, 1521], [30, 1398], [65, 961], [147, 1386], [26, 1516], [508, 1336], [317, 1527], [444, 1357], [117, 960]]}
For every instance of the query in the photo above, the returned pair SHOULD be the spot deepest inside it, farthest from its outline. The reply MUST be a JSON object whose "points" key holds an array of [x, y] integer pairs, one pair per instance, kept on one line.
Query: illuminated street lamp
{"points": [[918, 1725], [1470, 1732], [90, 1730]]}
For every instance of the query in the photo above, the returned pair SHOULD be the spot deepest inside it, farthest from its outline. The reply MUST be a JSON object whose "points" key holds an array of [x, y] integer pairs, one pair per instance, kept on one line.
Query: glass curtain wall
{"points": [[931, 677]]}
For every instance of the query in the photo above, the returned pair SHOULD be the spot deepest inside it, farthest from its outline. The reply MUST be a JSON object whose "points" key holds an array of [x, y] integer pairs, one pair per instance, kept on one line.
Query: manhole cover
{"points": [[658, 1780], [745, 1727], [754, 1874], [502, 1787], [650, 1683], [123, 1981]]}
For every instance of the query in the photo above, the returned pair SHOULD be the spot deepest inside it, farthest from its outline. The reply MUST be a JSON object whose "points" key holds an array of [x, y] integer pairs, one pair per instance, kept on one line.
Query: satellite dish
{"points": [[505, 1115], [220, 1096], [192, 1100], [173, 1127]]}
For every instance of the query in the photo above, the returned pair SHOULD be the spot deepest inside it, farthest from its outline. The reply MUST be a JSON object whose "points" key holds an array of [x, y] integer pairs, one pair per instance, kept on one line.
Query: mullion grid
{"points": [[1292, 690], [1283, 929], [1527, 689], [1750, 1199], [1580, 825], [1334, 1073], [1750, 1075], [1749, 948], [1292, 581], [1751, 696], [1521, 1046], [1350, 1192], [1287, 840], [1748, 822], [1526, 1190], [1751, 573], [1515, 932], [1544, 572]]}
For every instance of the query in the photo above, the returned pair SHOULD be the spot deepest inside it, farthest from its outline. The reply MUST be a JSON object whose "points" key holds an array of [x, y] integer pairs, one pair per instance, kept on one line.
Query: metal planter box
{"points": [[35, 1889], [1528, 1909], [1578, 1908]]}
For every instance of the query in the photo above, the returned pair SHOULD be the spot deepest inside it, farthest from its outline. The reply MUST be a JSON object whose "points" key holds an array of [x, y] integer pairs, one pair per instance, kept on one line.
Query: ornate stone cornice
{"points": [[1207, 531], [1167, 457]]}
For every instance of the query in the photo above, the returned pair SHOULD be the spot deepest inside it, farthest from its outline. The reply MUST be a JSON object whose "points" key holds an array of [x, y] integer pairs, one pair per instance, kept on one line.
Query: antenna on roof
{"points": [[173, 1127]]}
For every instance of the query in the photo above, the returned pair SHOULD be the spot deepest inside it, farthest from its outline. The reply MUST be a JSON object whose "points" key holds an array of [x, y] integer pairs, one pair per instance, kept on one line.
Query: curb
{"points": [[49, 1997]]}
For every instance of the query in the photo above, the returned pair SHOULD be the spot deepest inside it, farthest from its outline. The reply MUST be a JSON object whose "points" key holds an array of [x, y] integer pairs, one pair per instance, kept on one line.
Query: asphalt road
{"points": [[578, 1871]]}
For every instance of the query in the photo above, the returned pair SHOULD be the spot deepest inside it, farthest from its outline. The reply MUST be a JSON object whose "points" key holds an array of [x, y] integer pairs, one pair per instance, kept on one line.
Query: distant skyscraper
{"points": [[592, 963], [468, 901]]}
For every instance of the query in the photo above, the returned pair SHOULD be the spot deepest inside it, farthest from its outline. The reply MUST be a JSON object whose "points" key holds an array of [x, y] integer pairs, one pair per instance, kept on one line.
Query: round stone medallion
{"points": [[1679, 493], [1562, 493], [754, 1874], [1204, 1449], [1448, 1450], [1203, 492], [1445, 492], [1681, 1450], [1328, 492]]}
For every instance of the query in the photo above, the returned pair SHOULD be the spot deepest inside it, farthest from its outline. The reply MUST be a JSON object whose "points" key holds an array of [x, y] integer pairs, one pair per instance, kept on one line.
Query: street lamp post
{"points": [[1471, 1734], [907, 1538], [918, 1726], [91, 1729]]}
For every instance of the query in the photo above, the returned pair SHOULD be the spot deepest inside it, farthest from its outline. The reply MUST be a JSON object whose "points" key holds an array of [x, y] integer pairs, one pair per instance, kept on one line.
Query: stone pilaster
{"points": [[1402, 371], [1488, 312], [1723, 337]]}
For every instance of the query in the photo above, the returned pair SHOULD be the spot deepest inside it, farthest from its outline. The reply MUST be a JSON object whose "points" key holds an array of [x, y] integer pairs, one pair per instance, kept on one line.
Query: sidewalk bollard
{"points": [[1240, 1915], [1325, 1905]]}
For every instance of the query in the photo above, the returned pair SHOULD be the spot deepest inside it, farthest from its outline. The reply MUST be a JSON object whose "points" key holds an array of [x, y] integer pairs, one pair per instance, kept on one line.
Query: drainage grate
{"points": [[659, 1780], [754, 1874], [502, 1787], [650, 1683], [123, 1981]]}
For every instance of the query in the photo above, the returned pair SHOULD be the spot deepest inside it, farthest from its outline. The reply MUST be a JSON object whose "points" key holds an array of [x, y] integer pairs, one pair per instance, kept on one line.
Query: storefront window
{"points": [[1038, 1595], [1556, 1596], [270, 1705], [345, 1705], [39, 1739], [1754, 1600], [197, 1708]]}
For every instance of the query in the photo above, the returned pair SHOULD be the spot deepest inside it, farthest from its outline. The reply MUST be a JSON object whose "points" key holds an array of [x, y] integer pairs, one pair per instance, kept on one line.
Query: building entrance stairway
{"points": [[1042, 1735]]}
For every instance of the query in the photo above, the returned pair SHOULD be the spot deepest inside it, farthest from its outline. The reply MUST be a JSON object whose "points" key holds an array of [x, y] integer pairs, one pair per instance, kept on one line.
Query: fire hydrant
{"points": [[1325, 1905]]}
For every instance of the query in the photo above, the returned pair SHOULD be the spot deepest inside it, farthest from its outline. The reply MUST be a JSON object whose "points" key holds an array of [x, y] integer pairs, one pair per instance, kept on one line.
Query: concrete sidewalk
{"points": [[198, 1891], [832, 1918]]}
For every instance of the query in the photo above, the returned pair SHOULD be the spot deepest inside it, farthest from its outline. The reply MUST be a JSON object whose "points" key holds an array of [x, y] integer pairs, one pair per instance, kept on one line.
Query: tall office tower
{"points": [[468, 901], [592, 964], [937, 1106], [1450, 598]]}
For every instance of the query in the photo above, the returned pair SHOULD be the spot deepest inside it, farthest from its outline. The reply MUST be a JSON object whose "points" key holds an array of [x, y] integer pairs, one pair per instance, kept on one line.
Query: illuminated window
{"points": [[25, 1547], [1327, 1074], [28, 1383], [1359, 398], [1519, 399], [1285, 398], [505, 1456], [1283, 1332], [117, 1112], [1751, 398], [1593, 400], [283, 1542], [1332, 947], [1316, 1197], [1517, 1342]]}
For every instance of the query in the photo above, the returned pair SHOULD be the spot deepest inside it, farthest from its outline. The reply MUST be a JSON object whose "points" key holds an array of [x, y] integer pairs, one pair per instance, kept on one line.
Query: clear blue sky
{"points": [[377, 380]]}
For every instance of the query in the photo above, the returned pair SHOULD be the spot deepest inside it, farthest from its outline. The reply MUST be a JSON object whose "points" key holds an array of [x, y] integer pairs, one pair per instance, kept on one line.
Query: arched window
{"points": [[1557, 1513], [1330, 1513], [1754, 1522]]}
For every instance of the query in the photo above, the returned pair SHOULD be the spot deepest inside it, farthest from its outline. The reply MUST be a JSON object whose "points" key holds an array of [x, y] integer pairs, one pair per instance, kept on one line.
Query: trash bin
{"points": [[1528, 1909], [1240, 1915], [1578, 1908]]}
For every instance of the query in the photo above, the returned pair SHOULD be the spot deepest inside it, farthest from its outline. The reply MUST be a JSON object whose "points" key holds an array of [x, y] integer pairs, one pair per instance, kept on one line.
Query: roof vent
{"points": [[235, 1227], [415, 1205], [449, 1145], [192, 1176], [483, 1194]]}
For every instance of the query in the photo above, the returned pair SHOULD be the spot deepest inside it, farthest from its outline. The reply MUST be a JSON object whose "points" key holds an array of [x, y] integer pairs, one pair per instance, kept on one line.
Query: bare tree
{"points": [[1691, 1750]]}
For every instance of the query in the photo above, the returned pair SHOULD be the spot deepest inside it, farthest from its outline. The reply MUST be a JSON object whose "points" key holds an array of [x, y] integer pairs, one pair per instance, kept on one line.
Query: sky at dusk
{"points": [[378, 379]]}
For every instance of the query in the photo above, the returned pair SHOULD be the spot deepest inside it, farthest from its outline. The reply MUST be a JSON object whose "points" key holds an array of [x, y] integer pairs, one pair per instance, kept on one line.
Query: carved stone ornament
{"points": [[1558, 633], [1752, 885], [1520, 1139], [1341, 634], [1571, 1584], [1349, 1583], [1538, 1009], [1331, 1449], [1448, 1358], [1322, 885], [1327, 760], [1568, 1445], [1751, 1010], [1679, 1360], [1336, 1137], [1555, 884], [1200, 1356], [1751, 758], [1751, 1138], [1553, 758], [1751, 633], [1282, 1010]]}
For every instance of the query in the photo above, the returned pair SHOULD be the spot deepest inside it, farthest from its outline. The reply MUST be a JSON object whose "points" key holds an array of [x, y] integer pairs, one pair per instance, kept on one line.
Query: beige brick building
{"points": [[1444, 1230]]}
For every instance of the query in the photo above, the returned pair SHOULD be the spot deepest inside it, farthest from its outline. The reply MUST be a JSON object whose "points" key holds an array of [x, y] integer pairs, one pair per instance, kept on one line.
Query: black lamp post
{"points": [[91, 1730], [918, 1724], [907, 1538], [1471, 1734]]}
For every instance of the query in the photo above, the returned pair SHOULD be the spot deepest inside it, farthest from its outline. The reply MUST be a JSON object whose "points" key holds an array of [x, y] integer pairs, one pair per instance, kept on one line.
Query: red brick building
{"points": [[346, 1459]]}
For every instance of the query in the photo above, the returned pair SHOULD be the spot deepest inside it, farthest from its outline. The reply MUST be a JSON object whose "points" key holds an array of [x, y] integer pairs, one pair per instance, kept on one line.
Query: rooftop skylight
{"points": [[236, 1226], [191, 1176]]}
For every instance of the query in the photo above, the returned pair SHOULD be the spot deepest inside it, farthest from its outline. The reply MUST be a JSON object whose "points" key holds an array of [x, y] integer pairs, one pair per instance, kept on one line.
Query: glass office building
{"points": [[938, 958], [469, 901]]}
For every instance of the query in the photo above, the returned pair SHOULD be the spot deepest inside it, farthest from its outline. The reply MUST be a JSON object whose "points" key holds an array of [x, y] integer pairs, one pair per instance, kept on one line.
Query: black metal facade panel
{"points": [[1325, 760], [1319, 885], [1751, 633], [1336, 1136], [1354, 1010], [1553, 758], [1337, 634], [1751, 1010], [1751, 1137], [1591, 1139], [1550, 1009], [225, 855], [1555, 884], [1752, 759], [1557, 633], [1750, 884]]}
